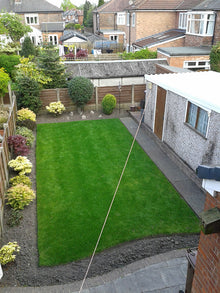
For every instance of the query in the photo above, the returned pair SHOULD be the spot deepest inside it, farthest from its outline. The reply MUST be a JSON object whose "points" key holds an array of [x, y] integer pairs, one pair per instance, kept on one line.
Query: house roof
{"points": [[29, 6], [52, 26], [112, 69], [68, 34], [164, 4], [201, 88], [208, 5], [113, 6], [162, 37], [185, 51]]}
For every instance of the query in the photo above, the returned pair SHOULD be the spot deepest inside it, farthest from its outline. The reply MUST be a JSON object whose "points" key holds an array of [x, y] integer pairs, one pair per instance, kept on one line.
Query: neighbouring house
{"points": [[39, 15], [183, 111], [193, 58], [206, 274], [73, 16]]}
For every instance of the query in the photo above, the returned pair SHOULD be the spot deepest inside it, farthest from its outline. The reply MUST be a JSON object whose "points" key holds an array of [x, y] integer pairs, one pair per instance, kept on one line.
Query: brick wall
{"points": [[58, 34], [196, 41], [175, 43], [207, 270], [149, 23], [179, 61], [217, 28], [106, 20]]}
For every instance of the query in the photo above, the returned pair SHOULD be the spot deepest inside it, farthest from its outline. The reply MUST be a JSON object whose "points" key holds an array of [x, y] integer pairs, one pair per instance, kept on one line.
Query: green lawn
{"points": [[78, 167]]}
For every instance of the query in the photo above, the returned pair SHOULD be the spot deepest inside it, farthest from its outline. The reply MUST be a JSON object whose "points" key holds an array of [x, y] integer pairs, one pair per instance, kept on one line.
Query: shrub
{"points": [[18, 145], [28, 48], [27, 123], [3, 118], [80, 90], [28, 94], [215, 57], [8, 62], [27, 133], [6, 252], [142, 54], [15, 217], [24, 114], [108, 104], [21, 164], [20, 196], [56, 108], [77, 26], [20, 179], [4, 80], [81, 53]]}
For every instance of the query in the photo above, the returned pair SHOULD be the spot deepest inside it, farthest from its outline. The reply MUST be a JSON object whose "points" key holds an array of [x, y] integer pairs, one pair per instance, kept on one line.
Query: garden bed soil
{"points": [[24, 271]]}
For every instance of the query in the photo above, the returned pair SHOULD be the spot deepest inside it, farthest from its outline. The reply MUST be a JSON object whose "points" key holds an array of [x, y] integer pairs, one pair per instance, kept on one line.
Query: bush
{"points": [[142, 54], [80, 90], [8, 62], [28, 48], [21, 164], [14, 218], [24, 114], [28, 123], [81, 53], [20, 179], [215, 58], [108, 104], [28, 94], [3, 118], [55, 108], [27, 133], [6, 252], [20, 196], [18, 145]]}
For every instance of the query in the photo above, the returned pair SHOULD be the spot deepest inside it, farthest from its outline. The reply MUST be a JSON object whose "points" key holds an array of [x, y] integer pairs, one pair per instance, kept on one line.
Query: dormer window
{"points": [[200, 23]]}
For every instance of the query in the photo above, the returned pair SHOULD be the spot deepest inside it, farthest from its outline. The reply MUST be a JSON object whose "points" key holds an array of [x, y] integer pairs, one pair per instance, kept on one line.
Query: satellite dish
{"points": [[131, 2]]}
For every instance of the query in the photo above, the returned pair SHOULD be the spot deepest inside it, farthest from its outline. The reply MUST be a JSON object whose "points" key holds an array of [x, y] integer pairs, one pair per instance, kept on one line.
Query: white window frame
{"points": [[33, 16], [53, 41], [128, 18], [193, 122], [191, 64], [121, 18], [200, 23], [133, 19], [113, 38], [182, 20]]}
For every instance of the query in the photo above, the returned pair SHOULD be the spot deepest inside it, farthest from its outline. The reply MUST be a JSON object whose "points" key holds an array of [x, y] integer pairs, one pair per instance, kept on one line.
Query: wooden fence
{"points": [[126, 96], [9, 129]]}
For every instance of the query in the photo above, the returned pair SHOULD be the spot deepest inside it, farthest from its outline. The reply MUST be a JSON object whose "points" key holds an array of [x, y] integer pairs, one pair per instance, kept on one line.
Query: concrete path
{"points": [[163, 273], [192, 194]]}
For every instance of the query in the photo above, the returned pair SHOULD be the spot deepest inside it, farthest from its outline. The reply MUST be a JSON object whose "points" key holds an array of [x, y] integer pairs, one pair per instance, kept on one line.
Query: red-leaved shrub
{"points": [[18, 145]]}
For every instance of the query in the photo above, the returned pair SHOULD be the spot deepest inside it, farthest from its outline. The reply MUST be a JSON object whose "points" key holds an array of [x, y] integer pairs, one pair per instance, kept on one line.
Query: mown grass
{"points": [[78, 167]]}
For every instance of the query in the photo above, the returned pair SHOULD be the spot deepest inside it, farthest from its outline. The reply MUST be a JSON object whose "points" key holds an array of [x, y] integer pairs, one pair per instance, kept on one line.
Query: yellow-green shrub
{"points": [[21, 164], [20, 179], [19, 196], [24, 114], [27, 133], [108, 104], [56, 108], [6, 252]]}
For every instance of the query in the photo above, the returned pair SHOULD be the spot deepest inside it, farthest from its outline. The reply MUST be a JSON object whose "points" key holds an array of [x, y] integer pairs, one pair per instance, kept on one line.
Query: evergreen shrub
{"points": [[108, 104]]}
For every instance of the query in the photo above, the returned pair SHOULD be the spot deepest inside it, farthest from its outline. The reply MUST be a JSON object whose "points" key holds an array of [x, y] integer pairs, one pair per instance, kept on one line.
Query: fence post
{"points": [[132, 94], [96, 99], [58, 95]]}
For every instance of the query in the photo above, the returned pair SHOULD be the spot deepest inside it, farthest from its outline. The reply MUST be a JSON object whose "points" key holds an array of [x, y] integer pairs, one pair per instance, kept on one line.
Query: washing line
{"points": [[116, 190]]}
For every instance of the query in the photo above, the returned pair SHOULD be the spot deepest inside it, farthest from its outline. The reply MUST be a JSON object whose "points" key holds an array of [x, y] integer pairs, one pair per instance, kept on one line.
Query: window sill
{"points": [[195, 130]]}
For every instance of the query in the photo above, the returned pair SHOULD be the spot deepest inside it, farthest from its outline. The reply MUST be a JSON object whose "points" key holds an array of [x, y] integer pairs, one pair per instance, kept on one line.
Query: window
{"points": [[113, 38], [200, 23], [197, 65], [53, 39], [128, 19], [121, 18], [182, 20], [132, 16], [31, 19], [197, 118]]}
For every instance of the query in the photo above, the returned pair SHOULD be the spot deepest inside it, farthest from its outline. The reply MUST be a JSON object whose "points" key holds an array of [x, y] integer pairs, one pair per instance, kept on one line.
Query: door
{"points": [[159, 114]]}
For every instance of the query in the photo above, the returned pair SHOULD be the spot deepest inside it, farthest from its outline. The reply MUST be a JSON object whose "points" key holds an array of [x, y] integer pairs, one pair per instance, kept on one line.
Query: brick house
{"points": [[206, 275], [38, 14]]}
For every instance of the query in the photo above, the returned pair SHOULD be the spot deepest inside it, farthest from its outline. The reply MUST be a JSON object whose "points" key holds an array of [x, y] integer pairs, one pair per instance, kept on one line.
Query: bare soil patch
{"points": [[25, 270]]}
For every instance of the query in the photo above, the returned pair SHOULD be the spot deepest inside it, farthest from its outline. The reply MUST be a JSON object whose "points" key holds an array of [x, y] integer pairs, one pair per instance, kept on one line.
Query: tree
{"points": [[67, 5], [28, 48], [101, 2], [4, 80], [87, 7], [215, 58], [80, 90], [50, 64], [13, 26]]}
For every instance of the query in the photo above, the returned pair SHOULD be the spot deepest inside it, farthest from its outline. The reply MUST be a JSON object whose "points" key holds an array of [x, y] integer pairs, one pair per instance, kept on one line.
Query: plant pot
{"points": [[1, 132]]}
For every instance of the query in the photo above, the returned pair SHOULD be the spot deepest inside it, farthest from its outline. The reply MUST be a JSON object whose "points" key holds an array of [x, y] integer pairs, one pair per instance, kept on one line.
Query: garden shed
{"points": [[183, 111]]}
